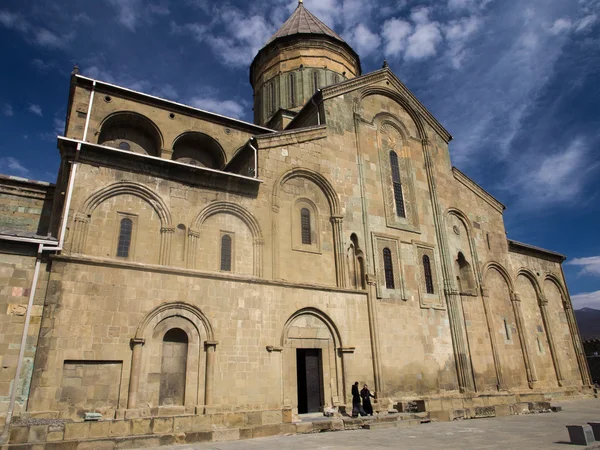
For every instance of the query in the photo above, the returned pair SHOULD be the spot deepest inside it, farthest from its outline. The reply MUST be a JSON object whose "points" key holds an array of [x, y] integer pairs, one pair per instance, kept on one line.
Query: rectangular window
{"points": [[315, 81]]}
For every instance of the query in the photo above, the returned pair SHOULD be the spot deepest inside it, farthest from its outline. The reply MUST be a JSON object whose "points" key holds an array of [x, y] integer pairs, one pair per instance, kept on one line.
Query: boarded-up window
{"points": [[305, 224], [388, 268], [226, 253], [124, 238], [428, 276], [397, 184]]}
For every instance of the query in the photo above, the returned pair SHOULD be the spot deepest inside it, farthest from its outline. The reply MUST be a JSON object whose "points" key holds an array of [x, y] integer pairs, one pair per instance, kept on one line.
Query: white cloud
{"points": [[553, 178], [395, 32], [229, 108], [457, 33], [364, 41], [12, 166], [7, 110], [584, 23], [586, 300], [560, 26], [589, 265], [132, 13], [39, 36], [35, 109], [423, 42]]}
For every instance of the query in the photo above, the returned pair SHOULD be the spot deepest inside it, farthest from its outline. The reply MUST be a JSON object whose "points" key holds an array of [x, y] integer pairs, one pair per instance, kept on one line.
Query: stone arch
{"points": [[314, 312], [315, 177], [138, 131], [336, 217], [493, 265], [387, 118], [223, 207], [128, 187], [310, 329], [512, 356], [179, 309], [148, 343], [395, 96], [472, 249], [536, 328], [82, 219], [193, 147], [570, 352]]}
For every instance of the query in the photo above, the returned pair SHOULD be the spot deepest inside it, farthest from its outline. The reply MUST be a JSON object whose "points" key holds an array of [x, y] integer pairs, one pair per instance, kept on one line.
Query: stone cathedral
{"points": [[190, 272]]}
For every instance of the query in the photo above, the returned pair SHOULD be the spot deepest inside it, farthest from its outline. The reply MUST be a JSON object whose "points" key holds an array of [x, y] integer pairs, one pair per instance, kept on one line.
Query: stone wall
{"points": [[25, 205], [17, 266]]}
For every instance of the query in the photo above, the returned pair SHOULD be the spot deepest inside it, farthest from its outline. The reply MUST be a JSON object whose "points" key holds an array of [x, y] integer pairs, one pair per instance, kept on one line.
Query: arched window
{"points": [[336, 78], [124, 238], [428, 277], [398, 197], [272, 100], [315, 81], [292, 89], [388, 268], [226, 253], [305, 225]]}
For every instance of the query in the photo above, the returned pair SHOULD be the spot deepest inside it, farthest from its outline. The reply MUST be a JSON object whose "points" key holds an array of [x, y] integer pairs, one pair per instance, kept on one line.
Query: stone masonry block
{"points": [[54, 436], [19, 435], [99, 429], [502, 410], [182, 424], [271, 417], [38, 433], [77, 430], [304, 427], [266, 430], [201, 422], [120, 428], [162, 425], [235, 420], [581, 434], [232, 434], [141, 426], [198, 436]]}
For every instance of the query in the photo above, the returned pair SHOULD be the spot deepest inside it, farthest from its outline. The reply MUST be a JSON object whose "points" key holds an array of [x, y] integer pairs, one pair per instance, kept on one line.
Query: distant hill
{"points": [[588, 320]]}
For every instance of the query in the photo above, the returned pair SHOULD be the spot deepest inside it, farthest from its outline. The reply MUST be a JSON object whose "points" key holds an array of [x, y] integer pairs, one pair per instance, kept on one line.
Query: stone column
{"points": [[579, 353], [134, 376], [336, 221], [166, 233], [490, 325], [193, 237], [543, 302], [258, 245], [80, 228], [275, 242], [343, 352], [458, 331], [529, 364], [210, 347]]}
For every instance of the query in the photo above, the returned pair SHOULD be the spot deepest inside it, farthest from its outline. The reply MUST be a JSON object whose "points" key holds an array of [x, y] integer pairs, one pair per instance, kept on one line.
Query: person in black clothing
{"points": [[356, 406], [366, 400]]}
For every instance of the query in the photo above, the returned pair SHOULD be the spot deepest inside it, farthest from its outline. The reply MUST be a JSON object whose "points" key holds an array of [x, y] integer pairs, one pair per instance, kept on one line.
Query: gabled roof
{"points": [[302, 21]]}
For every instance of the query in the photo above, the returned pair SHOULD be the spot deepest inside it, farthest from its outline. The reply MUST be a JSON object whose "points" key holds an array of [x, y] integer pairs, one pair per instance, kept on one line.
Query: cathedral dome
{"points": [[303, 56]]}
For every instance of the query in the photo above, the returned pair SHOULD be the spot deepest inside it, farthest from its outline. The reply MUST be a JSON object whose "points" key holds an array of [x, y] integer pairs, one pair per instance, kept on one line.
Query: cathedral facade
{"points": [[187, 263]]}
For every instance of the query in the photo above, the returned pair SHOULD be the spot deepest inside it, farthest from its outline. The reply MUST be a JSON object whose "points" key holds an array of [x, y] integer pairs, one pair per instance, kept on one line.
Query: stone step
{"points": [[384, 425]]}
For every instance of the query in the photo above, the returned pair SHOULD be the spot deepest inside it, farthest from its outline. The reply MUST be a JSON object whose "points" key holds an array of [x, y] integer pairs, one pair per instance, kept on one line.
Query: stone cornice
{"points": [[387, 75], [291, 137], [532, 250], [477, 190], [193, 273]]}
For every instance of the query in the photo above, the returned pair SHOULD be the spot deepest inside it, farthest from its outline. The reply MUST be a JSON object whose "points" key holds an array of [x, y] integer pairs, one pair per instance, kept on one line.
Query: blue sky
{"points": [[516, 82]]}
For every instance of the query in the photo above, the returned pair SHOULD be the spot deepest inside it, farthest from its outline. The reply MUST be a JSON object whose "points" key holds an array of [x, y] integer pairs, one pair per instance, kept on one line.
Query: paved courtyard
{"points": [[536, 431]]}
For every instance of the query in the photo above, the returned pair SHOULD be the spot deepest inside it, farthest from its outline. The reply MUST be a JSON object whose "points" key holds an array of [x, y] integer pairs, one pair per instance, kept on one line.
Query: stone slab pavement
{"points": [[534, 431]]}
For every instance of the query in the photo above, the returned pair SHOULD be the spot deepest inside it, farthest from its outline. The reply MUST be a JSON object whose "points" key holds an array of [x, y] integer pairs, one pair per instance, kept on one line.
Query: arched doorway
{"points": [[173, 367], [312, 365]]}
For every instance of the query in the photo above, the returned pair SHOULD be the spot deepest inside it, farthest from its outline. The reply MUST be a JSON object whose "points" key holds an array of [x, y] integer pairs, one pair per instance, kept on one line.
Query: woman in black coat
{"points": [[366, 400], [356, 406]]}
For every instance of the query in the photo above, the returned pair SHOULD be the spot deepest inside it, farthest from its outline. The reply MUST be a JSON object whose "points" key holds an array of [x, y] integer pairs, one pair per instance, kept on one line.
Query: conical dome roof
{"points": [[303, 22]]}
